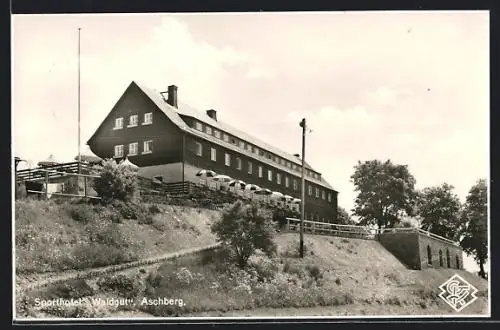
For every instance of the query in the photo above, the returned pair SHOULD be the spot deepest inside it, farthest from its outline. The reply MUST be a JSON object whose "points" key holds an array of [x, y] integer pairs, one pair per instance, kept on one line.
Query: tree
{"points": [[343, 217], [474, 225], [386, 192], [439, 209], [116, 182], [243, 228]]}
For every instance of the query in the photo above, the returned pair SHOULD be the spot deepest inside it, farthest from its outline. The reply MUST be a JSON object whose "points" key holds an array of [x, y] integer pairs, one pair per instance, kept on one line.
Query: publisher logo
{"points": [[458, 293]]}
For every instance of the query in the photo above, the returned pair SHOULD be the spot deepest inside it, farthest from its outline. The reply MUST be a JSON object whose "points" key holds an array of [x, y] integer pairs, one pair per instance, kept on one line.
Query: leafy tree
{"points": [[343, 217], [243, 228], [386, 192], [439, 209], [116, 182], [474, 225]]}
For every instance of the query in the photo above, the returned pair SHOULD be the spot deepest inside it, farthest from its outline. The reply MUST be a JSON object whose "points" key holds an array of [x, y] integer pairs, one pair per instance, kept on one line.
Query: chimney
{"points": [[172, 95], [297, 155], [212, 114]]}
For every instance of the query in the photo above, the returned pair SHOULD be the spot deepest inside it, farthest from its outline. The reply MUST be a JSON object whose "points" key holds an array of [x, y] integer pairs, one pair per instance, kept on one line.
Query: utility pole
{"points": [[302, 211], [79, 148]]}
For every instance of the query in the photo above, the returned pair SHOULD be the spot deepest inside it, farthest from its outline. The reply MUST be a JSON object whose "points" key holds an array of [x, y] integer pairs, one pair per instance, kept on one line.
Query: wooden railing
{"points": [[331, 229], [58, 170]]}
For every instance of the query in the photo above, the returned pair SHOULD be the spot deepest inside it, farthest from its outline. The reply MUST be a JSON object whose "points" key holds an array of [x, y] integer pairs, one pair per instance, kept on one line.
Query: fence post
{"points": [[47, 184], [313, 226], [287, 224], [85, 186]]}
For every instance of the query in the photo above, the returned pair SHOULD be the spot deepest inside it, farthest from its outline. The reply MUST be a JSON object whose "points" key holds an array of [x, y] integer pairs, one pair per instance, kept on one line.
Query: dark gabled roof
{"points": [[175, 115]]}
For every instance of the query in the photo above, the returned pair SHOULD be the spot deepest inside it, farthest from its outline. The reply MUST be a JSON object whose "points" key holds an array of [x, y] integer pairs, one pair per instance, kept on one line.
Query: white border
{"points": [[333, 319]]}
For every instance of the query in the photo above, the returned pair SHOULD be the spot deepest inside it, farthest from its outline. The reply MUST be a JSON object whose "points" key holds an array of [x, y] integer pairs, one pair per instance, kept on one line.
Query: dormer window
{"points": [[242, 145], [133, 120], [225, 137], [199, 126], [148, 118], [217, 133], [118, 123], [208, 129]]}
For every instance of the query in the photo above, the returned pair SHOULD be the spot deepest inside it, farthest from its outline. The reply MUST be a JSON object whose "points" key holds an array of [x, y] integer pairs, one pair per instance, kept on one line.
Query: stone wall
{"points": [[403, 246], [441, 253], [414, 249]]}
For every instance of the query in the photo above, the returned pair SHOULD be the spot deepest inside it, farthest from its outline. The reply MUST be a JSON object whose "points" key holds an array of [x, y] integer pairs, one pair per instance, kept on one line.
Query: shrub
{"points": [[245, 228], [315, 272], [121, 284], [265, 268], [116, 182], [75, 289], [81, 213], [154, 209]]}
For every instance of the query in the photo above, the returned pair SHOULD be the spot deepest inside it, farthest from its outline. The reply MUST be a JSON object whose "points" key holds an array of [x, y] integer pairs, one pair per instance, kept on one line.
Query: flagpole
{"points": [[79, 147]]}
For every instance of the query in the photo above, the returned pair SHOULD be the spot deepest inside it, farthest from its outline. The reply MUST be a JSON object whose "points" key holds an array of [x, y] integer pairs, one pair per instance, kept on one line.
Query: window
{"points": [[287, 181], [457, 262], [133, 120], [448, 261], [217, 133], [118, 123], [238, 163], [227, 159], [198, 149], [147, 147], [249, 167], [261, 152], [294, 184], [283, 162], [249, 147], [310, 190], [323, 194], [268, 156], [213, 154], [260, 171], [242, 144], [233, 141], [199, 126], [148, 118], [288, 164], [208, 130], [270, 175], [294, 167], [132, 148], [119, 151], [276, 159], [278, 178], [225, 137], [440, 258], [429, 255], [329, 197], [317, 192], [255, 150]]}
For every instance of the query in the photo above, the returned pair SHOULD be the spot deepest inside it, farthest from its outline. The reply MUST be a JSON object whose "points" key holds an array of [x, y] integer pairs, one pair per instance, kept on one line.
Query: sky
{"points": [[412, 87]]}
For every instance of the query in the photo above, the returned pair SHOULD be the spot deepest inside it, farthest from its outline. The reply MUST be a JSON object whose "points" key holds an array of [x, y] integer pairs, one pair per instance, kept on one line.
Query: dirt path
{"points": [[24, 283]]}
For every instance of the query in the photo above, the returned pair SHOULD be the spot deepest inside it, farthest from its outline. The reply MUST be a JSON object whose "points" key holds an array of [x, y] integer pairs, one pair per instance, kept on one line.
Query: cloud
{"points": [[258, 73], [45, 75]]}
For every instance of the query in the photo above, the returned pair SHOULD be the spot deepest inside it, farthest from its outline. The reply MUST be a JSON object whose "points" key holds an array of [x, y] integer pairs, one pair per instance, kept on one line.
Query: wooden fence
{"points": [[331, 229], [352, 231], [40, 185]]}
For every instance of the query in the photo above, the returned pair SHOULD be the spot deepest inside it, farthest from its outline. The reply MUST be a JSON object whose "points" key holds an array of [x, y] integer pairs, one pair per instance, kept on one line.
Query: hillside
{"points": [[55, 237], [338, 276]]}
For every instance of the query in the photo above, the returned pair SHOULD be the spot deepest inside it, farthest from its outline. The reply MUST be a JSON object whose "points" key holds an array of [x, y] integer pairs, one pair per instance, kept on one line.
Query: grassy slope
{"points": [[47, 238], [378, 282]]}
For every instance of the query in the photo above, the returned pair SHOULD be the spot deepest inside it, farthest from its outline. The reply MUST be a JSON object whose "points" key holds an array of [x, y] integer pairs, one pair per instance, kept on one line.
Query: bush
{"points": [[75, 289], [265, 268], [245, 228], [315, 272], [81, 212], [123, 285], [116, 183]]}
